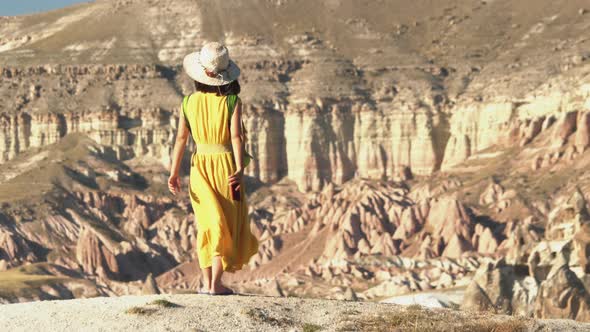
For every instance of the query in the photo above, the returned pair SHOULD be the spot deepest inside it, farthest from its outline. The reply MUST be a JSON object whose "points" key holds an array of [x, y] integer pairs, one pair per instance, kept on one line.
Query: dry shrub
{"points": [[416, 318]]}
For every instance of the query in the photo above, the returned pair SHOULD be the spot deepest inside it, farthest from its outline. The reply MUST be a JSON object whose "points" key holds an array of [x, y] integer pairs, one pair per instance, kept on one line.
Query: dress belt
{"points": [[207, 148]]}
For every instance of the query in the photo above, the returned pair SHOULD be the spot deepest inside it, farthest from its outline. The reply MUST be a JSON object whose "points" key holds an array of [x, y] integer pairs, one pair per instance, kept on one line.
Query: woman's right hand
{"points": [[236, 178], [174, 184]]}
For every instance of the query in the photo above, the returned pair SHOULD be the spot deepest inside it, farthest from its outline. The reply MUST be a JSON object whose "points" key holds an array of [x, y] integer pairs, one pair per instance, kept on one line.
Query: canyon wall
{"points": [[345, 95], [313, 144]]}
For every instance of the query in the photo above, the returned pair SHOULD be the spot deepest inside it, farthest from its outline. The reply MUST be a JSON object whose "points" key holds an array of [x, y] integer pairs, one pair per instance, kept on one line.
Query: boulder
{"points": [[563, 295]]}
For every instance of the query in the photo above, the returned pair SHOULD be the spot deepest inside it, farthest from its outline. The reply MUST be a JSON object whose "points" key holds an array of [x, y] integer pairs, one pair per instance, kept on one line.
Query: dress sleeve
{"points": [[183, 108]]}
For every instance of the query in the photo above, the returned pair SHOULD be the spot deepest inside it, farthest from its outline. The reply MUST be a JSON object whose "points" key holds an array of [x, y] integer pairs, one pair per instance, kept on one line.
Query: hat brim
{"points": [[192, 67]]}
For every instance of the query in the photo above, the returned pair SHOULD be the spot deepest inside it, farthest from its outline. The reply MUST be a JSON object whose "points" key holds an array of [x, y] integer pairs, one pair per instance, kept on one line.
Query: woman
{"points": [[216, 190]]}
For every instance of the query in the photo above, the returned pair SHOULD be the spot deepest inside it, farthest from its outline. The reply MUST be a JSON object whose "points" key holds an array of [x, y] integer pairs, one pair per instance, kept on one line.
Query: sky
{"points": [[21, 7]]}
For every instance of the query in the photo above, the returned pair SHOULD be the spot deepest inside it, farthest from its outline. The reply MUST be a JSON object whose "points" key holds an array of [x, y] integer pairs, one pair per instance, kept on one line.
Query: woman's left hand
{"points": [[174, 184], [236, 178]]}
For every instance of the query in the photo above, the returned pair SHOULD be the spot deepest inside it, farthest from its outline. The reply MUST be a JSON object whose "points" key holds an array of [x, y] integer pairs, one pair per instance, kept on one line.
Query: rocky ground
{"points": [[400, 148], [191, 312]]}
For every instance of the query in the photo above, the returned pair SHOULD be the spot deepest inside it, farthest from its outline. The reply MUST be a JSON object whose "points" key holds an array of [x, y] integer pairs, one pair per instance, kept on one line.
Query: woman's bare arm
{"points": [[236, 140], [177, 154]]}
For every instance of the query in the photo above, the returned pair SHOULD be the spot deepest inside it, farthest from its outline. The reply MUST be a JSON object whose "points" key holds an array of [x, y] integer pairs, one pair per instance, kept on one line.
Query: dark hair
{"points": [[232, 88]]}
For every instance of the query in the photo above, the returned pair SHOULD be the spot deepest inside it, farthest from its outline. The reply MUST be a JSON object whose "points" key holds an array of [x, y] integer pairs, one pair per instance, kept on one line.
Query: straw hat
{"points": [[211, 65]]}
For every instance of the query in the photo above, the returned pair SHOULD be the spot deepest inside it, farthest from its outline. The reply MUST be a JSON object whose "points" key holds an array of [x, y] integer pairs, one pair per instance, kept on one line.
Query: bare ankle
{"points": [[218, 287]]}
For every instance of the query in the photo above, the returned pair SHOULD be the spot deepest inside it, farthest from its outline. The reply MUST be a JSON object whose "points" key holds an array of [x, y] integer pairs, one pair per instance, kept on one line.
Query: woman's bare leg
{"points": [[206, 279], [217, 271]]}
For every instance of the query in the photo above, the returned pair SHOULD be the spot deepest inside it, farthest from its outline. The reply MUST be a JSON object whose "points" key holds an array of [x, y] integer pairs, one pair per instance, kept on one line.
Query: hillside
{"points": [[190, 312]]}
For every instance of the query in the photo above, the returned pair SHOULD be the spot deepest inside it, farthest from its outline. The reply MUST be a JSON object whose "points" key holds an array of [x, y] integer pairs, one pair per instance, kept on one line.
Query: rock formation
{"points": [[551, 284]]}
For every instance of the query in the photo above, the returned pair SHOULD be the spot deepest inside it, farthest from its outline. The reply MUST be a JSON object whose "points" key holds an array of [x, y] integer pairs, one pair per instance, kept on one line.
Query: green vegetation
{"points": [[24, 281], [149, 309], [262, 316], [140, 311], [164, 303], [308, 327], [416, 318]]}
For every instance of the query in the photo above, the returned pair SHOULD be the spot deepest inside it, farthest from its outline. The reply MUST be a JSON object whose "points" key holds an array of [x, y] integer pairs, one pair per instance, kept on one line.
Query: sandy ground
{"points": [[196, 312]]}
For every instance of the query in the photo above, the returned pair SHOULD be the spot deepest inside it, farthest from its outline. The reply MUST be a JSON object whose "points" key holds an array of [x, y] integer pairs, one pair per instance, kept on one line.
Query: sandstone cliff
{"points": [[321, 107]]}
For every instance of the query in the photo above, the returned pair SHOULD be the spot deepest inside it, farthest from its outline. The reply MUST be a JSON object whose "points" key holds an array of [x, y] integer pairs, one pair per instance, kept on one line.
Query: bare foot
{"points": [[220, 289], [204, 287]]}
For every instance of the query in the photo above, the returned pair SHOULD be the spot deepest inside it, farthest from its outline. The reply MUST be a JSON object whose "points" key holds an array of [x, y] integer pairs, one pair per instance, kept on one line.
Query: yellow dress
{"points": [[223, 226]]}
